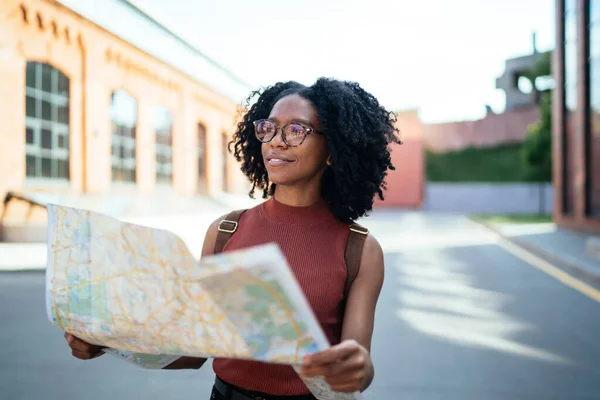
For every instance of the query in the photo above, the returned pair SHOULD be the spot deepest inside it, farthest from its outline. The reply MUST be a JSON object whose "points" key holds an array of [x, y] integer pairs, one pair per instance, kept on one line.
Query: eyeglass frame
{"points": [[282, 128]]}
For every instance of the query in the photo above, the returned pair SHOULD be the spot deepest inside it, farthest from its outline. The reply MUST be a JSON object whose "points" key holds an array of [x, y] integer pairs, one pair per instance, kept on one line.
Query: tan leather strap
{"points": [[353, 256], [227, 228]]}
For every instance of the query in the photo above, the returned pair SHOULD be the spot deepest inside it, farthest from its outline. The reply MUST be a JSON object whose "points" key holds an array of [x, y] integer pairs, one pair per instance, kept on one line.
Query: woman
{"points": [[320, 155]]}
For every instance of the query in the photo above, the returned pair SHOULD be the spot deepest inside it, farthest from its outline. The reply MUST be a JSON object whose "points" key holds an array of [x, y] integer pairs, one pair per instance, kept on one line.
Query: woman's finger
{"points": [[334, 353], [347, 378], [347, 388]]}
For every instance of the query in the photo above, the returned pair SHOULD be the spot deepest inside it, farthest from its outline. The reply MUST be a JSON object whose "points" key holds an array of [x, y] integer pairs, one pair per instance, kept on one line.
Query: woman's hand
{"points": [[347, 367], [81, 349]]}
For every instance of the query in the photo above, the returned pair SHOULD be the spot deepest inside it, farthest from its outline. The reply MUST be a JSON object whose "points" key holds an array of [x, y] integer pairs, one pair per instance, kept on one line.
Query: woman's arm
{"points": [[348, 367], [208, 248]]}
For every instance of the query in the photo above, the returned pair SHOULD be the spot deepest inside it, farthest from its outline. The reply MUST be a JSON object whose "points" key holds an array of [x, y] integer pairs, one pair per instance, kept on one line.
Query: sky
{"points": [[440, 56]]}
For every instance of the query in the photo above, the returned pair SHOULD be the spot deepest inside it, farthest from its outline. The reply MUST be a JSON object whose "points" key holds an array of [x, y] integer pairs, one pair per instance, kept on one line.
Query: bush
{"points": [[537, 148], [501, 164]]}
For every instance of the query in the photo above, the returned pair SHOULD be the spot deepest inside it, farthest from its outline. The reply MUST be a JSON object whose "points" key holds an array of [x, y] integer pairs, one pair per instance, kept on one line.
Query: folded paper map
{"points": [[140, 292]]}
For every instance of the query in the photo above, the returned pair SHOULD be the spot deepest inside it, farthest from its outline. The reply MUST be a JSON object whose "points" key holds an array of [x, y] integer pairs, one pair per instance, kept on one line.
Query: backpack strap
{"points": [[227, 228], [353, 255]]}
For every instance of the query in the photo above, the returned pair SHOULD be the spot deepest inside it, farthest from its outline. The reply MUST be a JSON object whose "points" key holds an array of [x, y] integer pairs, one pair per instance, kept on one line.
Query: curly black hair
{"points": [[358, 131]]}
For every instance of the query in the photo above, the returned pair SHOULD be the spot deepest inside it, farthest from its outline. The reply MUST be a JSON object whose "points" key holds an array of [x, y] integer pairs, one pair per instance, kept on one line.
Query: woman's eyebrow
{"points": [[302, 121], [296, 120]]}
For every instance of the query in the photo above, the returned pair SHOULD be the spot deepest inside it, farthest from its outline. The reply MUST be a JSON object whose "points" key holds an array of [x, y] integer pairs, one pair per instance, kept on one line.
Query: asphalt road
{"points": [[459, 318]]}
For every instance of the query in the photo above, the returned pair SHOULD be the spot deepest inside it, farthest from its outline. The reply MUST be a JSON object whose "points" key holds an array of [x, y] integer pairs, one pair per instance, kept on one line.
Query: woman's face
{"points": [[304, 164]]}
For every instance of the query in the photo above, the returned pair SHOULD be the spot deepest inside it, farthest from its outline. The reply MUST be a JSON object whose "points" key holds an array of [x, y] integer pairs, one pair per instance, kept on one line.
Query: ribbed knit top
{"points": [[314, 242]]}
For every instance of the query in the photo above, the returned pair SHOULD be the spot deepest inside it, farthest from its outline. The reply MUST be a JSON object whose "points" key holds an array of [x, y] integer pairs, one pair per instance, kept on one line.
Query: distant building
{"points": [[577, 114], [98, 98], [509, 81]]}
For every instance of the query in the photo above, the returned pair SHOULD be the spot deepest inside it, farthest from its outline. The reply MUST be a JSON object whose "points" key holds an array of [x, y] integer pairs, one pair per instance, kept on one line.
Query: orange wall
{"points": [[406, 183]]}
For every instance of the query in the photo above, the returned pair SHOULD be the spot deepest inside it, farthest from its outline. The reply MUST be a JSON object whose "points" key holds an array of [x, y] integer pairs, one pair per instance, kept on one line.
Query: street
{"points": [[459, 317]]}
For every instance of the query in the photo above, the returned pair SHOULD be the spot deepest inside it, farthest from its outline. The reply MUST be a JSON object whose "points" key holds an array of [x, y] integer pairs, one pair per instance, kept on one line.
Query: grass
{"points": [[497, 164], [515, 218]]}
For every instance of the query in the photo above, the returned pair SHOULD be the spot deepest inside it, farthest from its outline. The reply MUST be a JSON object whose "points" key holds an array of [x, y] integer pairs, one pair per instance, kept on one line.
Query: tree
{"points": [[537, 148]]}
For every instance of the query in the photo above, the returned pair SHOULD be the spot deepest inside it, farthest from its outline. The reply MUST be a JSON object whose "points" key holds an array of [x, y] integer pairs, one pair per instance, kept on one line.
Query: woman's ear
{"points": [[329, 160]]}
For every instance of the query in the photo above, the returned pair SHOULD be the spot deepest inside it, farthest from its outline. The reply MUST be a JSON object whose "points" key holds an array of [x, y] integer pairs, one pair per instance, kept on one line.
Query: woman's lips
{"points": [[276, 161]]}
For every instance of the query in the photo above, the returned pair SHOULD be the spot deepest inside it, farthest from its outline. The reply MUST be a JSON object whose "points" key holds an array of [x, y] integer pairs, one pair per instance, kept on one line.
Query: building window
{"points": [[201, 157], [163, 126], [570, 87], [46, 122], [123, 115], [225, 156], [593, 139]]}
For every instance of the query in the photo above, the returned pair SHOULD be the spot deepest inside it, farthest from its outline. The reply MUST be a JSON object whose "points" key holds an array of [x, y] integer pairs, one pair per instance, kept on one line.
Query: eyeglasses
{"points": [[293, 133]]}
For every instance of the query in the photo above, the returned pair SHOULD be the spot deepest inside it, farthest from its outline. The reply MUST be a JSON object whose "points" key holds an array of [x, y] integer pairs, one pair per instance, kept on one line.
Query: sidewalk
{"points": [[566, 249], [190, 224]]}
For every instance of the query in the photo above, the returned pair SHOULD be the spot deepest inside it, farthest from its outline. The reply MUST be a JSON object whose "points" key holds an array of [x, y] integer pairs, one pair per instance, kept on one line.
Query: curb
{"points": [[561, 262]]}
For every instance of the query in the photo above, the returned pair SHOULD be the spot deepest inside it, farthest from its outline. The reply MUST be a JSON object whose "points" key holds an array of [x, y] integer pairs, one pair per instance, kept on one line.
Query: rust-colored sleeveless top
{"points": [[314, 242]]}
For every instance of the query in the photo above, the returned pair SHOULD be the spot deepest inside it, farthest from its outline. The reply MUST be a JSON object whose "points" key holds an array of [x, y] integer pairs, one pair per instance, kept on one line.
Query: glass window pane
{"points": [[63, 84], [201, 150], [46, 111], [31, 165], [123, 109], [30, 107], [63, 142], [594, 139], [63, 115], [46, 167], [47, 78], [595, 40], [29, 136], [163, 124], [48, 107], [46, 139], [30, 79], [63, 169]]}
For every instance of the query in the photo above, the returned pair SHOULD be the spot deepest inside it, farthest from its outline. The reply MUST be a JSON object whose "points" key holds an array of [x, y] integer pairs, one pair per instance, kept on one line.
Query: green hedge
{"points": [[497, 164]]}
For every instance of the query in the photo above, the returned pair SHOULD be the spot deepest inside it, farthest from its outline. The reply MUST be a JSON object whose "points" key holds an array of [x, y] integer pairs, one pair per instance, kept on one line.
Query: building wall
{"points": [[489, 198], [575, 148], [405, 184], [98, 63], [492, 130], [516, 67]]}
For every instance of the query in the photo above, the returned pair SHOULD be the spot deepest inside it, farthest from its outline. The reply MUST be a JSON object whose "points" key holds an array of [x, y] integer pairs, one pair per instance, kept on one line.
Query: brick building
{"points": [[576, 122], [98, 98]]}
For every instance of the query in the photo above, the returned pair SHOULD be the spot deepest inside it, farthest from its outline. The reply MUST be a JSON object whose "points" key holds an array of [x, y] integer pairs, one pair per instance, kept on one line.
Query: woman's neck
{"points": [[297, 196]]}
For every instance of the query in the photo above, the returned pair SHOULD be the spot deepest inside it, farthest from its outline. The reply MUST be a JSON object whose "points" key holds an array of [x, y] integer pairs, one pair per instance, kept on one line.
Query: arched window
{"points": [[46, 122], [201, 156], [123, 114], [24, 14], [40, 21], [163, 126], [54, 29]]}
